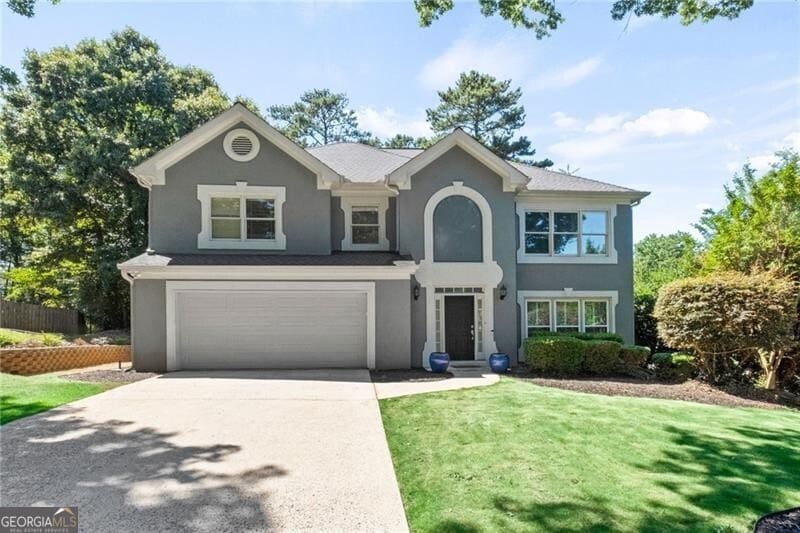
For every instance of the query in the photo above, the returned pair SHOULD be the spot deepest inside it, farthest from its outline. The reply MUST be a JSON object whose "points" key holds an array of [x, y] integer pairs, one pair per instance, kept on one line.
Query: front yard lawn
{"points": [[519, 457], [27, 395]]}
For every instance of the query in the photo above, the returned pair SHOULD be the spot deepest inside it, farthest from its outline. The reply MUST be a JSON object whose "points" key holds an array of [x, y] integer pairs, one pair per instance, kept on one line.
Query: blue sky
{"points": [[655, 106]]}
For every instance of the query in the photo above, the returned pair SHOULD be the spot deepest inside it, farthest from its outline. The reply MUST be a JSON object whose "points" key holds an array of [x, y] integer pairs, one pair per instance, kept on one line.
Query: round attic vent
{"points": [[241, 144]]}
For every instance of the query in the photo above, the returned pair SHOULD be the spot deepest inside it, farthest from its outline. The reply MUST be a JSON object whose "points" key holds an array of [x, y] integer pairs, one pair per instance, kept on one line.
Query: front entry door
{"points": [[459, 327]]}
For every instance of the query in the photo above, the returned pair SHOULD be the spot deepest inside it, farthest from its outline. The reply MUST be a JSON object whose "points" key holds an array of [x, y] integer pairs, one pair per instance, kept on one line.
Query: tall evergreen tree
{"points": [[489, 110], [320, 117]]}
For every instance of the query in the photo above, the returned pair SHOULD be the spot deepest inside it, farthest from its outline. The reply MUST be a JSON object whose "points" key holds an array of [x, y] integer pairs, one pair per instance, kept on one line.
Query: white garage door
{"points": [[256, 327]]}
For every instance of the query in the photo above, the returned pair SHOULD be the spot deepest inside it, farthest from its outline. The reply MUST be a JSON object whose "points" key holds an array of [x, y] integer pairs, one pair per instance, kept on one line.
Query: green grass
{"points": [[519, 457], [10, 337], [22, 396]]}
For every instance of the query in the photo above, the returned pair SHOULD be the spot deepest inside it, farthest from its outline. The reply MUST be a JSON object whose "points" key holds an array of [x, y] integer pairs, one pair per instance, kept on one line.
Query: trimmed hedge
{"points": [[601, 357], [632, 357], [674, 366], [583, 336], [555, 354]]}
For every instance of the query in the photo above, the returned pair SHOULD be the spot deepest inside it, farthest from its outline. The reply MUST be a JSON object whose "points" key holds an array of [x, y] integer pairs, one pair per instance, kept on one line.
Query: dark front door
{"points": [[459, 327]]}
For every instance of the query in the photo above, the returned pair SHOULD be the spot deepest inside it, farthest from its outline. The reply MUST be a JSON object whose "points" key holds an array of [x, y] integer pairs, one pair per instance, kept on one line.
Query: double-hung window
{"points": [[365, 224], [564, 233], [565, 315], [239, 216], [234, 217]]}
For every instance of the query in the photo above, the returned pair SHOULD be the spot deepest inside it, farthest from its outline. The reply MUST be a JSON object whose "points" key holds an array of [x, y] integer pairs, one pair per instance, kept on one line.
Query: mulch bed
{"points": [[690, 391], [782, 522], [115, 376], [394, 376]]}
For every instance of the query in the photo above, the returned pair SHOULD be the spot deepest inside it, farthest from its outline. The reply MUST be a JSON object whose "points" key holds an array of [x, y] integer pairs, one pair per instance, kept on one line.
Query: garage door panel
{"points": [[271, 329]]}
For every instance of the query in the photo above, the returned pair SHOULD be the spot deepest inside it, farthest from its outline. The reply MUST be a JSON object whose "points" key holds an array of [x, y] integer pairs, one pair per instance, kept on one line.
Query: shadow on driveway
{"points": [[123, 477]]}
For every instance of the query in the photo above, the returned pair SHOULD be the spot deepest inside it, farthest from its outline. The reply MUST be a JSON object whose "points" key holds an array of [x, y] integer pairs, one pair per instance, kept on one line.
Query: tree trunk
{"points": [[770, 361]]}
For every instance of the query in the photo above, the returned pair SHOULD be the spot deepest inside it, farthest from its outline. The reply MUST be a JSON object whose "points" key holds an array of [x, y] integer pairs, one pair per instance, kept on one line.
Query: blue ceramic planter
{"points": [[439, 362], [499, 362]]}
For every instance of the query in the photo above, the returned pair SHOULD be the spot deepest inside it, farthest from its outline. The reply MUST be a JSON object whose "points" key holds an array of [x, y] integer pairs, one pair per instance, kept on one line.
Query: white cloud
{"points": [[606, 123], [666, 121], [387, 122], [612, 133], [566, 76], [565, 122], [792, 141], [503, 59], [763, 162]]}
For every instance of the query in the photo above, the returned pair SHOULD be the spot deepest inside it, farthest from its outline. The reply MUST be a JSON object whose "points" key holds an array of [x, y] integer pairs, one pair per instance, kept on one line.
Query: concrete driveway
{"points": [[212, 451]]}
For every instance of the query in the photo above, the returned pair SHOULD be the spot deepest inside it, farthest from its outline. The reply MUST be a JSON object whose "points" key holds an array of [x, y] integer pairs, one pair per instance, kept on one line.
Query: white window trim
{"points": [[350, 202], [227, 144], [612, 297], [611, 213], [174, 287], [242, 190]]}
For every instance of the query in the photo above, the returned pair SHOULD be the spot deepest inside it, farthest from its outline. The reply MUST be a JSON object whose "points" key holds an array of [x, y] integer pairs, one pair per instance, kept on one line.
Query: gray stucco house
{"points": [[263, 254]]}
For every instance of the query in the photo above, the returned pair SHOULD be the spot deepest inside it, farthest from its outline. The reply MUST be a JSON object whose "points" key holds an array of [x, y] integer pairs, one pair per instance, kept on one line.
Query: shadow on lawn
{"points": [[122, 478], [721, 482], [748, 473], [12, 409]]}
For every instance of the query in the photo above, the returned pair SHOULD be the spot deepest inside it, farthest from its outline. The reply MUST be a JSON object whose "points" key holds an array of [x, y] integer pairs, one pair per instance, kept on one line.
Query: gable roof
{"points": [[513, 178], [152, 171], [357, 162]]}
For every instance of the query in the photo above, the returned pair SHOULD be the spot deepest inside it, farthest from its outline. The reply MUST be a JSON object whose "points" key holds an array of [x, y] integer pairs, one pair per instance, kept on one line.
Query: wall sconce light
{"points": [[416, 291], [503, 292]]}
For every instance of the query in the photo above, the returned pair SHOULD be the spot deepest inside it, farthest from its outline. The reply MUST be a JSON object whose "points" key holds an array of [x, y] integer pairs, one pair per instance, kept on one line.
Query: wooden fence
{"points": [[31, 317]]}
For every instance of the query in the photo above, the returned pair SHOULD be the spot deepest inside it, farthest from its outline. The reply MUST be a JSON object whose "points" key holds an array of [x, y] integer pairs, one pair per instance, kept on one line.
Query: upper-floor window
{"points": [[566, 233], [241, 216], [365, 223], [457, 230]]}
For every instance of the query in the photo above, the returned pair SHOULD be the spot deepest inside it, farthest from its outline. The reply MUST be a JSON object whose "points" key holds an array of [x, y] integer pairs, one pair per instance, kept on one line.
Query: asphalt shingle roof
{"points": [[361, 163], [334, 259]]}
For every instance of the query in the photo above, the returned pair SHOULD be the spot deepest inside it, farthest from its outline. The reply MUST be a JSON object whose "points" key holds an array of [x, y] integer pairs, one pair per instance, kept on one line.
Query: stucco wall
{"points": [[619, 277], [149, 339], [175, 209], [457, 165]]}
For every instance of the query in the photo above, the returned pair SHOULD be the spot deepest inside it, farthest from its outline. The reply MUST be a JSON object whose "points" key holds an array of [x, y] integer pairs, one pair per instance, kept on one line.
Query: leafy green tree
{"points": [[26, 8], [759, 228], [320, 117], [659, 259], [407, 141], [542, 16], [82, 116], [489, 110]]}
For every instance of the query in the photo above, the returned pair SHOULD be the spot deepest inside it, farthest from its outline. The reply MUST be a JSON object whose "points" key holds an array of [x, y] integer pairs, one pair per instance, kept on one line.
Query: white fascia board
{"points": [[513, 178], [153, 170], [631, 197], [402, 270]]}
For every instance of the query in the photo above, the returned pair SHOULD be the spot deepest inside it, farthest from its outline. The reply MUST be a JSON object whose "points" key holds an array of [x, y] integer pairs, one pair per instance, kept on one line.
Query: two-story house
{"points": [[263, 254]]}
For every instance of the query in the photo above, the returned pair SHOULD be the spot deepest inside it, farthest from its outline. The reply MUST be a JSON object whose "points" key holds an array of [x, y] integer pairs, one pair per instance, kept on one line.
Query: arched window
{"points": [[457, 231]]}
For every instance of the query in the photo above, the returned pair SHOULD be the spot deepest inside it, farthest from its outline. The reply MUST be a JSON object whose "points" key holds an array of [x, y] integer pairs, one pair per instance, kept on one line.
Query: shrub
{"points": [[673, 366], [582, 336], [645, 325], [555, 354], [7, 339], [601, 357], [633, 357], [51, 339], [725, 318]]}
